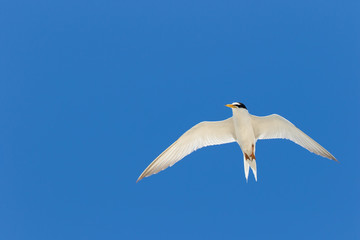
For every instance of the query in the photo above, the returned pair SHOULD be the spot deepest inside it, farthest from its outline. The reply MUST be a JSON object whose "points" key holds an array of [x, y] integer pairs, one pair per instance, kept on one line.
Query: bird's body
{"points": [[244, 132], [245, 137], [243, 128]]}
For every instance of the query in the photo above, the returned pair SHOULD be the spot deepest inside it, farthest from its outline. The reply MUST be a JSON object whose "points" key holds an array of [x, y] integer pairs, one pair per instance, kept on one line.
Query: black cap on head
{"points": [[239, 105]]}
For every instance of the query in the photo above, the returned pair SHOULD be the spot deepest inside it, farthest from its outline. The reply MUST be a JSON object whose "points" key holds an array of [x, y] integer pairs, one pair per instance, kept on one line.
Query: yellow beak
{"points": [[230, 106]]}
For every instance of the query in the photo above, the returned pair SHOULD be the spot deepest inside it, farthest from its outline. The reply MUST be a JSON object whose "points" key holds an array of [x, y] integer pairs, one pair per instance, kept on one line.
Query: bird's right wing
{"points": [[275, 126], [201, 135]]}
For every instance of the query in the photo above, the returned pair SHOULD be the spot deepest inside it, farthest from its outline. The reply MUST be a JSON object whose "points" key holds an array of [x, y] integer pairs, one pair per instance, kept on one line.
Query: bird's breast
{"points": [[244, 131]]}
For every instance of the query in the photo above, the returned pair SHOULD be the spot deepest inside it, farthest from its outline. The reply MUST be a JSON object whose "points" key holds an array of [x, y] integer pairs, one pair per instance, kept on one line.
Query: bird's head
{"points": [[236, 105]]}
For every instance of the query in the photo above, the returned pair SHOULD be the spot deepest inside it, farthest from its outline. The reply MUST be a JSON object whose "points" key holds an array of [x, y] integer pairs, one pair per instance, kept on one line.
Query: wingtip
{"points": [[139, 179], [331, 157]]}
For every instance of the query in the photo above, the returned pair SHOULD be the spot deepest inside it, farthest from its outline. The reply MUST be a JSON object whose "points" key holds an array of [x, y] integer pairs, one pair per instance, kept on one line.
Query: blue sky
{"points": [[92, 91]]}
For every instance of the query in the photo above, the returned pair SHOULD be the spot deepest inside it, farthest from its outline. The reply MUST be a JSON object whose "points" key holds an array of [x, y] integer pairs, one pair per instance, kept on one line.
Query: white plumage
{"points": [[243, 128]]}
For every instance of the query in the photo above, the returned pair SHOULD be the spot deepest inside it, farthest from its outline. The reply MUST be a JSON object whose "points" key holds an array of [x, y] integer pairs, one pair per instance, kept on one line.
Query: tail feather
{"points": [[252, 164], [246, 169]]}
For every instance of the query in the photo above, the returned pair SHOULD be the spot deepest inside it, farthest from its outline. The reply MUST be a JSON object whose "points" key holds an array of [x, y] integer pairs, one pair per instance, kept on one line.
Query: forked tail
{"points": [[249, 162]]}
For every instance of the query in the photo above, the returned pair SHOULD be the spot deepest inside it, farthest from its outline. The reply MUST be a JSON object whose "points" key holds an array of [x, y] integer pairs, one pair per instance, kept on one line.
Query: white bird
{"points": [[243, 128]]}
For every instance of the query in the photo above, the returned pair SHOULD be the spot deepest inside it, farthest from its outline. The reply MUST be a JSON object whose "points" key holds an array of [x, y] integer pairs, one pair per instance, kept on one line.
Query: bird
{"points": [[243, 128]]}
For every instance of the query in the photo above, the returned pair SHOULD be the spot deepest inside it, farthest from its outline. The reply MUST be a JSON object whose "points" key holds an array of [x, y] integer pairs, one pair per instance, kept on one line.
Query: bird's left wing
{"points": [[275, 126], [201, 135]]}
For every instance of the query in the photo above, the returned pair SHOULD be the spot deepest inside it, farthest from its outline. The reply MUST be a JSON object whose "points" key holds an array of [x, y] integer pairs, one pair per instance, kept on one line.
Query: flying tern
{"points": [[243, 128]]}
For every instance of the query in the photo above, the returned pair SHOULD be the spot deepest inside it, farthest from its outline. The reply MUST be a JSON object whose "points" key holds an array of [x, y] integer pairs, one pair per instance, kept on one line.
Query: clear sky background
{"points": [[92, 91]]}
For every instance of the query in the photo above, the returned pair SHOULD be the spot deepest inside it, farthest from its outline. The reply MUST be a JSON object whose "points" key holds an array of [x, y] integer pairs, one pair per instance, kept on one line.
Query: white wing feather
{"points": [[275, 126], [201, 135]]}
